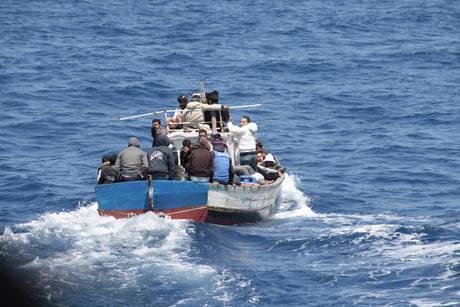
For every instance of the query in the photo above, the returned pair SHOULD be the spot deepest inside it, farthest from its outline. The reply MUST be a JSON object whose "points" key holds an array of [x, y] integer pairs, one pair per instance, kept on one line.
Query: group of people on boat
{"points": [[205, 160]]}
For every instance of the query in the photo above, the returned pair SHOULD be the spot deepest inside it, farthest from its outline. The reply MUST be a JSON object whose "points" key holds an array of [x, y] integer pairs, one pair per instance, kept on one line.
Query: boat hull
{"points": [[228, 205], [172, 199]]}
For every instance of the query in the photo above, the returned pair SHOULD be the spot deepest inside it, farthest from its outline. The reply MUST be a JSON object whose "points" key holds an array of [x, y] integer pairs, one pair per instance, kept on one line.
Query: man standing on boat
{"points": [[131, 161], [191, 113], [246, 138], [157, 130]]}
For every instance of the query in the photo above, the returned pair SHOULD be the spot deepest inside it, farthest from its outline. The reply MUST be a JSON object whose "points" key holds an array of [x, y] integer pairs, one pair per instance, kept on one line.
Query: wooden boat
{"points": [[233, 204], [213, 203], [248, 203], [167, 198]]}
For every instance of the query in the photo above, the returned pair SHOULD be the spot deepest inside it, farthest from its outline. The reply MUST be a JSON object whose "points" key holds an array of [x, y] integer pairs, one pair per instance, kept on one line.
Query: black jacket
{"points": [[161, 158]]}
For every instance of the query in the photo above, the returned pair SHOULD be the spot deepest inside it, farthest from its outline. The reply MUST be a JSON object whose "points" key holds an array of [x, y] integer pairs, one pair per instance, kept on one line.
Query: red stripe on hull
{"points": [[197, 214]]}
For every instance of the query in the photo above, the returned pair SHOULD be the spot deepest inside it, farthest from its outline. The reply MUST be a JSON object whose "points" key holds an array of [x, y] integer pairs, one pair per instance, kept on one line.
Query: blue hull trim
{"points": [[167, 194]]}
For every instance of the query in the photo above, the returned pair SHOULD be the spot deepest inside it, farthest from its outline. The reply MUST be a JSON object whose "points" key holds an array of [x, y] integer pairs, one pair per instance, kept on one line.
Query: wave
{"points": [[81, 248], [294, 203]]}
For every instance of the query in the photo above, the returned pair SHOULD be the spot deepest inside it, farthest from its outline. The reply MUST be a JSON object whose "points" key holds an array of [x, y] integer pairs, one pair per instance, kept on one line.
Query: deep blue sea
{"points": [[361, 103]]}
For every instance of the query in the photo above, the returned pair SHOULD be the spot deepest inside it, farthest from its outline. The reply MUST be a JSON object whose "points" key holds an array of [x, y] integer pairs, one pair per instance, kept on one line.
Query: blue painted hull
{"points": [[176, 199]]}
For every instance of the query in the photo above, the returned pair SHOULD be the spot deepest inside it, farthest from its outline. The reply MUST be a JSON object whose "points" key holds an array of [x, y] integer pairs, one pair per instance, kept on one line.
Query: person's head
{"points": [[187, 143], [218, 145], [269, 161], [156, 123], [203, 143], [113, 158], [133, 141], [105, 158], [202, 133], [244, 121], [260, 155], [258, 144], [212, 97], [217, 136], [196, 97], [182, 100], [162, 140]]}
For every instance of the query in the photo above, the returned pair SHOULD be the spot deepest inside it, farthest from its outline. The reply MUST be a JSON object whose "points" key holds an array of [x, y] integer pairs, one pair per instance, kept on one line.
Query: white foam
{"points": [[425, 302], [76, 245], [294, 203]]}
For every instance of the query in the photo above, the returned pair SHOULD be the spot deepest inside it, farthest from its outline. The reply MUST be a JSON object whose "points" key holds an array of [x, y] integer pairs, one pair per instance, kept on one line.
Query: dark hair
{"points": [[112, 158], [212, 97], [196, 97], [202, 130], [261, 151], [247, 117], [186, 143], [259, 143], [105, 158], [156, 120], [181, 98]]}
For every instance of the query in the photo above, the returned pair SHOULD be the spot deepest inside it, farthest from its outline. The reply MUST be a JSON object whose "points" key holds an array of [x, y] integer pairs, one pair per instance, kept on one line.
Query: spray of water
{"points": [[294, 202]]}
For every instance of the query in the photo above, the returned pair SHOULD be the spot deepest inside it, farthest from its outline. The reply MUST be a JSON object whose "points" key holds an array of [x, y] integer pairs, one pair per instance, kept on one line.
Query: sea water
{"points": [[360, 104]]}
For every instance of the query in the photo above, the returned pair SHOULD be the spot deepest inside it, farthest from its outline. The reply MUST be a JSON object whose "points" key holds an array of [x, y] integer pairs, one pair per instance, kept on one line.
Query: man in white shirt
{"points": [[246, 137]]}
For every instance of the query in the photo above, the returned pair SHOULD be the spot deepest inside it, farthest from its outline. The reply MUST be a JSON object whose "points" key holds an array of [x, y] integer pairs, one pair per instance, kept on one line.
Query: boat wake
{"points": [[60, 251], [69, 253], [294, 203]]}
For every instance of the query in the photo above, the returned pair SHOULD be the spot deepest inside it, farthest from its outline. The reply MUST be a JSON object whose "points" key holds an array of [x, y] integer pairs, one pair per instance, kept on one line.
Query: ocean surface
{"points": [[361, 103]]}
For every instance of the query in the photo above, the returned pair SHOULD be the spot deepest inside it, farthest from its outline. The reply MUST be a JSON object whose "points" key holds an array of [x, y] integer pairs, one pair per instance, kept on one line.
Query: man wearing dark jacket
{"points": [[200, 165], [161, 159]]}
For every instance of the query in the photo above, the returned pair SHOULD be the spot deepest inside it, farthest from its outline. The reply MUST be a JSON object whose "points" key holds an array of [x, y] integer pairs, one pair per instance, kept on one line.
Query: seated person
{"points": [[132, 161], [106, 173], [181, 174], [161, 159], [203, 134], [268, 167], [185, 152], [223, 172], [200, 165], [247, 173]]}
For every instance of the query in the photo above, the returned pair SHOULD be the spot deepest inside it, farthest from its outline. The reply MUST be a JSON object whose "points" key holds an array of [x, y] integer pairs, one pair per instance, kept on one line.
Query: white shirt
{"points": [[245, 136]]}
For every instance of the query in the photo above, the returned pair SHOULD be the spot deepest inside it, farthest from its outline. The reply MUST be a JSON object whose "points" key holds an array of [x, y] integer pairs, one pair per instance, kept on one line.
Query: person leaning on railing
{"points": [[191, 113]]}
